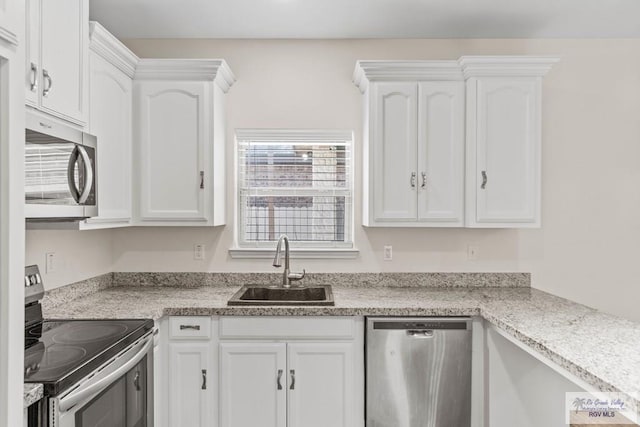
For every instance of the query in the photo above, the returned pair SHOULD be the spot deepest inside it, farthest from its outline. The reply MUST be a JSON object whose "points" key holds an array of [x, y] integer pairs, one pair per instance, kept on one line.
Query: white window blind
{"points": [[297, 183]]}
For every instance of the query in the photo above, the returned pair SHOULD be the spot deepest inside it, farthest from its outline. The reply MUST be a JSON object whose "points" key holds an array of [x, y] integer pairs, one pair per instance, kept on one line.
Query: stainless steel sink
{"points": [[277, 295]]}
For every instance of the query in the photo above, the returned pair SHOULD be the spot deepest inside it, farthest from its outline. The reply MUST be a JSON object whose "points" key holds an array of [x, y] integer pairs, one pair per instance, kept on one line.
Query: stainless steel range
{"points": [[95, 372]]}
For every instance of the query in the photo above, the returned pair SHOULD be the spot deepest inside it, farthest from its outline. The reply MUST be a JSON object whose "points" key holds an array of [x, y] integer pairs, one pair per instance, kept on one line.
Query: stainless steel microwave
{"points": [[60, 172]]}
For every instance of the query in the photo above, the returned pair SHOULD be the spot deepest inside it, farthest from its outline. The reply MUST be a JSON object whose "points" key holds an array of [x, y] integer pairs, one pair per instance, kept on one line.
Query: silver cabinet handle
{"points": [[194, 327], [49, 80], [34, 77], [484, 180], [413, 180], [279, 381], [424, 180], [204, 379], [292, 372], [201, 180]]}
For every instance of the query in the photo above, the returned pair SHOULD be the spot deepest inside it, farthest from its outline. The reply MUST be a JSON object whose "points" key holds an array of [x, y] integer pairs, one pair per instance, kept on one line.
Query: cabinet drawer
{"points": [[189, 327], [287, 327]]}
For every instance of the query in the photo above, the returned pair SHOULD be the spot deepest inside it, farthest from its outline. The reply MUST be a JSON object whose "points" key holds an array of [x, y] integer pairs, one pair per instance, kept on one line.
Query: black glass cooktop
{"points": [[58, 353]]}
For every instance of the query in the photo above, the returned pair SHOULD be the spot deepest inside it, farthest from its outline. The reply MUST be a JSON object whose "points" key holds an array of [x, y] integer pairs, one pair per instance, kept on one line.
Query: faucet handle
{"points": [[296, 276]]}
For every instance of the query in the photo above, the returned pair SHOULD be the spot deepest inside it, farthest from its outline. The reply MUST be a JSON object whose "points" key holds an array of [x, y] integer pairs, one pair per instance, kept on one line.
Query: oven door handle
{"points": [[83, 392]]}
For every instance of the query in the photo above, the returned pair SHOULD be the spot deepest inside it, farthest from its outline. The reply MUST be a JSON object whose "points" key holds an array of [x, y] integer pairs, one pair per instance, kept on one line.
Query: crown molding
{"points": [[367, 71], [8, 36], [506, 66], [111, 49], [186, 69]]}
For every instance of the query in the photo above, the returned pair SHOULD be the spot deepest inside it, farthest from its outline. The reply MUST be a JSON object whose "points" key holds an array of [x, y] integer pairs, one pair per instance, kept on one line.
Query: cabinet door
{"points": [[394, 149], [189, 385], [321, 385], [172, 124], [253, 384], [441, 153], [110, 120], [33, 70], [507, 151], [65, 38]]}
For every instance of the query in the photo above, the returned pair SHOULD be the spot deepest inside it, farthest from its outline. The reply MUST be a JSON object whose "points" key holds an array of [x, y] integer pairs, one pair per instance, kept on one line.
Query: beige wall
{"points": [[586, 249]]}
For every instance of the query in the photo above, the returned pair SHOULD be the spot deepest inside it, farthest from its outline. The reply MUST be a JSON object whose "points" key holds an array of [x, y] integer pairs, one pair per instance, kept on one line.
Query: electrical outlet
{"points": [[388, 252], [472, 252], [51, 262], [198, 252]]}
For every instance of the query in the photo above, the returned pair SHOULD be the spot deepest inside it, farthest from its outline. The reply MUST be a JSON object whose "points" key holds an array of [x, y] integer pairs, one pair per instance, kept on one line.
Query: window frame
{"points": [[243, 249]]}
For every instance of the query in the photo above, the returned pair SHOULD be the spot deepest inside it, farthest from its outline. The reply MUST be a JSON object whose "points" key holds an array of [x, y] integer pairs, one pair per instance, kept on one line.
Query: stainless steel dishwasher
{"points": [[418, 372]]}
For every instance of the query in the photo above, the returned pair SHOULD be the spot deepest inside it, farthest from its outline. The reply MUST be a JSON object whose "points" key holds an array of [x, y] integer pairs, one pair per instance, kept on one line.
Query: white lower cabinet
{"points": [[253, 375], [189, 392], [321, 388], [274, 374]]}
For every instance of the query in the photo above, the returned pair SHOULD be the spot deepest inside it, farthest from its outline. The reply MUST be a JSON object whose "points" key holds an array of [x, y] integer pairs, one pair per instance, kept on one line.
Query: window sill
{"points": [[296, 253]]}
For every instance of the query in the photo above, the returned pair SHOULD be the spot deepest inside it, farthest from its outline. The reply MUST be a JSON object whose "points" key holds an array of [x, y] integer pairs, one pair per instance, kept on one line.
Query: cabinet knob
{"points": [[413, 180], [484, 180]]}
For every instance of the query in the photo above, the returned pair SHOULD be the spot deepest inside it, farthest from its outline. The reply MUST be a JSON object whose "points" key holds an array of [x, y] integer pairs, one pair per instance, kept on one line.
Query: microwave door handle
{"points": [[88, 175], [71, 177], [72, 399]]}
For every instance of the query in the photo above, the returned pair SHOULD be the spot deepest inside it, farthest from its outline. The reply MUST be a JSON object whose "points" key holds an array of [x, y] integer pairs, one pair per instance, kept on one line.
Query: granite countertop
{"points": [[32, 393], [600, 349]]}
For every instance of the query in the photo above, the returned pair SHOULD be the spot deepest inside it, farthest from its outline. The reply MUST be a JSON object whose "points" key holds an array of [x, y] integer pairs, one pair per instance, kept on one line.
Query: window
{"points": [[297, 183]]}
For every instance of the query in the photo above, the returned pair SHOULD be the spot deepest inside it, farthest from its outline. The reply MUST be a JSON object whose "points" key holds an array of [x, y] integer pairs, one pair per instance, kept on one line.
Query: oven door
{"points": [[120, 394]]}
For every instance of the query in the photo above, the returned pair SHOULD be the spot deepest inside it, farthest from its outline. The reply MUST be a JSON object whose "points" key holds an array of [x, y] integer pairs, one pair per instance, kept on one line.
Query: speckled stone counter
{"points": [[600, 349], [32, 393]]}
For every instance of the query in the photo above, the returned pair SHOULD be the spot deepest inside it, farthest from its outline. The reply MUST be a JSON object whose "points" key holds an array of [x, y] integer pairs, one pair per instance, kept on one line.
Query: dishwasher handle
{"points": [[425, 333]]}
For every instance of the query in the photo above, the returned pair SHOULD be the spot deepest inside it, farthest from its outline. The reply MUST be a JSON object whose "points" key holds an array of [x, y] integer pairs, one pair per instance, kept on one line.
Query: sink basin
{"points": [[276, 295]]}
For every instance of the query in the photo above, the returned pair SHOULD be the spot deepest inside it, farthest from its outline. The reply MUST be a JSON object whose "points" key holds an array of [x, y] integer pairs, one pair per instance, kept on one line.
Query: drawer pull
{"points": [[204, 379], [279, 381], [292, 372], [193, 327]]}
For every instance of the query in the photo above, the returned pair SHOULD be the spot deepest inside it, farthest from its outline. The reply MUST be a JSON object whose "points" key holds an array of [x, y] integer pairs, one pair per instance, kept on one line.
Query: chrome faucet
{"points": [[288, 276]]}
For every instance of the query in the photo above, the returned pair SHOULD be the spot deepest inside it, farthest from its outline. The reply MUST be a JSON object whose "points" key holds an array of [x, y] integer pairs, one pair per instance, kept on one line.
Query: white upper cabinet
{"points": [[180, 137], [57, 57], [393, 151], [111, 71], [441, 152], [413, 143], [504, 140], [426, 164]]}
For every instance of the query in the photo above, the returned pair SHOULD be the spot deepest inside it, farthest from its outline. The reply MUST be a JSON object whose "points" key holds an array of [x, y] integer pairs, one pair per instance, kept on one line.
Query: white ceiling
{"points": [[368, 18]]}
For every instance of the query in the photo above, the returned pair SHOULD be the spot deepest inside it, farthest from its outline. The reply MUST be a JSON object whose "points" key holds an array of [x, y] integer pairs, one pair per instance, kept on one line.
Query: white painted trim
{"points": [[268, 253], [506, 66], [186, 69], [9, 36], [367, 71], [269, 135], [111, 49]]}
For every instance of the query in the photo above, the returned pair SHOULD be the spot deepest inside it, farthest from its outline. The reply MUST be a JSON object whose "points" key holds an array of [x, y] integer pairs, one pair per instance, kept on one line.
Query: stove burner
{"points": [[87, 333], [57, 357]]}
